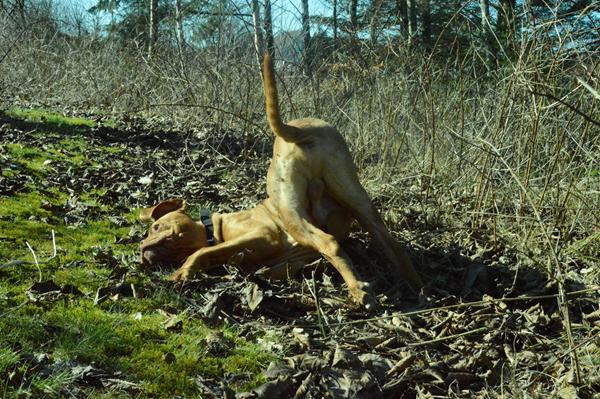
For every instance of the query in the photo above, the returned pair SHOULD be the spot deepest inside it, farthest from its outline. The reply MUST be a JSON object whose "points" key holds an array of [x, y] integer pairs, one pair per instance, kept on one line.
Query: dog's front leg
{"points": [[254, 246]]}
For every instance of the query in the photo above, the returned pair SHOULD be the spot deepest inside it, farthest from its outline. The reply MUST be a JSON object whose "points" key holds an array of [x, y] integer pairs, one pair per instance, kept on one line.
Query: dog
{"points": [[313, 196], [255, 234]]}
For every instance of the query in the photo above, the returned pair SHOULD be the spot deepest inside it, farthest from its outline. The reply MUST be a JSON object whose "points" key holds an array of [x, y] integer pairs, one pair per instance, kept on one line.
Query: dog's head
{"points": [[173, 235]]}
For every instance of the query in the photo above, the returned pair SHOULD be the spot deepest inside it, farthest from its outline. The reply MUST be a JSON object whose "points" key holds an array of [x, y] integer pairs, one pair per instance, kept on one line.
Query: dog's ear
{"points": [[157, 211]]}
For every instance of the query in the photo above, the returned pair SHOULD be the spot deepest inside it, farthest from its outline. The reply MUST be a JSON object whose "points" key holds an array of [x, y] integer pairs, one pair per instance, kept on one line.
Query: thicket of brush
{"points": [[508, 145]]}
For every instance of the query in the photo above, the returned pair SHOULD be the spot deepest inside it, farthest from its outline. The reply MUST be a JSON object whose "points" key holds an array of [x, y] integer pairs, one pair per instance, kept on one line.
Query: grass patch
{"points": [[39, 115], [46, 339], [78, 332], [42, 160]]}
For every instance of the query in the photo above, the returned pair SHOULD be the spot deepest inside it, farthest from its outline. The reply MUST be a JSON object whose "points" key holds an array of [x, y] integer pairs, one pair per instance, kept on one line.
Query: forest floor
{"points": [[79, 319]]}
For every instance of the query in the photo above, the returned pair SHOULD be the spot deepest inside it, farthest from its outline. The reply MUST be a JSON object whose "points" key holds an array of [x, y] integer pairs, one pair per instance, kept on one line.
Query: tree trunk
{"points": [[179, 33], [412, 20], [402, 17], [375, 14], [20, 5], [486, 27], [269, 28], [528, 13], [505, 25], [353, 16], [153, 28], [426, 21], [307, 54], [258, 37], [335, 24]]}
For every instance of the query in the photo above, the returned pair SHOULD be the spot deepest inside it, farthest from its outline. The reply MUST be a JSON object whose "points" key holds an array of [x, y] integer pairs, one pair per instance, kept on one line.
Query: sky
{"points": [[286, 13]]}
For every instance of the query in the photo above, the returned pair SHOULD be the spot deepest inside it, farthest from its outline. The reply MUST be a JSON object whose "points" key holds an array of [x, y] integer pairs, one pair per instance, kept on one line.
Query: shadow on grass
{"points": [[135, 131], [50, 122]]}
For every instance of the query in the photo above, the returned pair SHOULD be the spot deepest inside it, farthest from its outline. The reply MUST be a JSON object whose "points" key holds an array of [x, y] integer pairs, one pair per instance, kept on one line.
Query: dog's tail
{"points": [[288, 133]]}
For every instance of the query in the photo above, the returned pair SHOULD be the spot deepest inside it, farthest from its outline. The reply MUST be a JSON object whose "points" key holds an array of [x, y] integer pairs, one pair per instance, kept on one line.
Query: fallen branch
{"points": [[448, 337], [481, 303]]}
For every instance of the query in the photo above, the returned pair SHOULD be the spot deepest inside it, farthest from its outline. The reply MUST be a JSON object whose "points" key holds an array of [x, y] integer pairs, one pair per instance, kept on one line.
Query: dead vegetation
{"points": [[490, 175], [486, 324]]}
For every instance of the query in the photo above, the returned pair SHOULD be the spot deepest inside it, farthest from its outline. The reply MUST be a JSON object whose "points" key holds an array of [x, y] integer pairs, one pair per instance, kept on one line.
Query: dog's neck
{"points": [[206, 219]]}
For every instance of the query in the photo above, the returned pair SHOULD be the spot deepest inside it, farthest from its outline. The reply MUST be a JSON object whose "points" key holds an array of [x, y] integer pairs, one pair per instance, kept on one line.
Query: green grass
{"points": [[117, 338], [121, 335], [48, 117]]}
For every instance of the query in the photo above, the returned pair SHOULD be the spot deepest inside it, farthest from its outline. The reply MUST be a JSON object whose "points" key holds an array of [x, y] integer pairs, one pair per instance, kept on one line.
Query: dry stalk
{"points": [[35, 260], [561, 297], [312, 287]]}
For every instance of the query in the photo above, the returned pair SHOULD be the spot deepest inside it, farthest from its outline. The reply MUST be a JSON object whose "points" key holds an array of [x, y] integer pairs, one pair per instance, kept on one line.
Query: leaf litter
{"points": [[433, 343]]}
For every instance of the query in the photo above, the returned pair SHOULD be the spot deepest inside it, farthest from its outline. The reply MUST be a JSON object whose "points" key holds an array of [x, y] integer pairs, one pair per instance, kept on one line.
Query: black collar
{"points": [[206, 219]]}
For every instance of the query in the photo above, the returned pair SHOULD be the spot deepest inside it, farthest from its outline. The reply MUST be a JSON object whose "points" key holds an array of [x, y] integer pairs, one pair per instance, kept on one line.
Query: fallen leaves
{"points": [[324, 349]]}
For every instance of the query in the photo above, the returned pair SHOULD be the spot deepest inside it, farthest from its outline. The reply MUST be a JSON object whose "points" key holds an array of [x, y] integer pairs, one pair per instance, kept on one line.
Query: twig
{"points": [[315, 294], [589, 88], [18, 262], [53, 245], [566, 104], [10, 310], [448, 337], [35, 260]]}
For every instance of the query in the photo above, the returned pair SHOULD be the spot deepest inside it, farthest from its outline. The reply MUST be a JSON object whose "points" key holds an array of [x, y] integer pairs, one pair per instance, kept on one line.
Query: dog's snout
{"points": [[150, 257]]}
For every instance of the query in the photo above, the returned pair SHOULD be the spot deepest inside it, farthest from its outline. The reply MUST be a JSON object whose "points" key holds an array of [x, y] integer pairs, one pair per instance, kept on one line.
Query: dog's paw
{"points": [[363, 297], [181, 274]]}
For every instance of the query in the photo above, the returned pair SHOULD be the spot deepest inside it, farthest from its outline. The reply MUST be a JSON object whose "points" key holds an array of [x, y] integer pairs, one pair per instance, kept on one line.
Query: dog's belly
{"points": [[292, 167]]}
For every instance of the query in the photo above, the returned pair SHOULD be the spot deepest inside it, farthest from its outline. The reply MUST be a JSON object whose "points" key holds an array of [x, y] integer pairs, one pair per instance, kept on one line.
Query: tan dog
{"points": [[313, 196], [255, 234], [307, 149]]}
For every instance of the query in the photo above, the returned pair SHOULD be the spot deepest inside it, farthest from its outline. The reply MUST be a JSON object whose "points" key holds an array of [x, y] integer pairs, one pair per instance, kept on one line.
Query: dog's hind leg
{"points": [[296, 220], [344, 186]]}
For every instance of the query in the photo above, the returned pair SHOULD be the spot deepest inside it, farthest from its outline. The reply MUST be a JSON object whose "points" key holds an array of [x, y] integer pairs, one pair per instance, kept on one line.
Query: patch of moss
{"points": [[8, 358], [34, 159], [121, 334], [24, 221], [82, 333], [41, 161], [49, 117], [116, 149]]}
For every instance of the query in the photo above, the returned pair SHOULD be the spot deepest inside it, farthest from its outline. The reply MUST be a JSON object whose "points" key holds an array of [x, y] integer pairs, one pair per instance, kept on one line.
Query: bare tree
{"points": [[335, 24], [426, 21], [307, 54], [21, 8], [486, 26], [258, 37], [506, 18], [269, 28], [528, 12], [179, 33], [412, 20], [402, 16], [375, 20], [353, 16], [153, 37]]}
